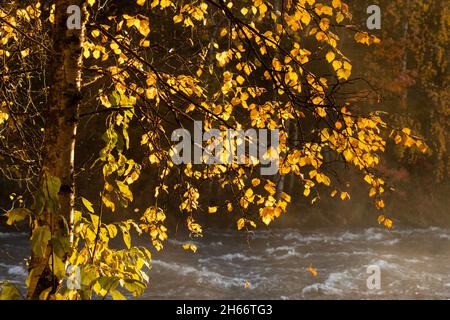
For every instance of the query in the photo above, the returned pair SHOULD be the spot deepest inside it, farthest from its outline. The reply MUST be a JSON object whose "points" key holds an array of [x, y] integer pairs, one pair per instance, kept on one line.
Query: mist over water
{"points": [[414, 263]]}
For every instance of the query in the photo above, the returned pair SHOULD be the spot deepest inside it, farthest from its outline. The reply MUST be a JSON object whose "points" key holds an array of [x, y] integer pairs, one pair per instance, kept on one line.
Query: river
{"points": [[272, 264]]}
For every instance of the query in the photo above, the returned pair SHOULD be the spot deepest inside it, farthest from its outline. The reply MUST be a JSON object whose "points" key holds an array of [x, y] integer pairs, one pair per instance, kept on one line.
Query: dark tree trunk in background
{"points": [[404, 98]]}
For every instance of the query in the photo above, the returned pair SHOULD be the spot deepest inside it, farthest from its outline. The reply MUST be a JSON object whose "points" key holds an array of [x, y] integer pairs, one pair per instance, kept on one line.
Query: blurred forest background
{"points": [[409, 73]]}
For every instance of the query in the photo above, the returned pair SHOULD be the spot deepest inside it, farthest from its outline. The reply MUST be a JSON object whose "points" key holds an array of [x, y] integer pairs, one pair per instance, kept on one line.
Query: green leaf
{"points": [[88, 205], [52, 187], [64, 225], [58, 266], [116, 295], [40, 239], [77, 216], [134, 286], [115, 99], [61, 246], [9, 291], [17, 214], [44, 294], [105, 285], [39, 202], [88, 276], [50, 190]]}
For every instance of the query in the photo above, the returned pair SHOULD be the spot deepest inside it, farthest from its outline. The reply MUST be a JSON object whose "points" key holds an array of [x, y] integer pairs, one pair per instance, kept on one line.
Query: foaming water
{"points": [[272, 264], [414, 264]]}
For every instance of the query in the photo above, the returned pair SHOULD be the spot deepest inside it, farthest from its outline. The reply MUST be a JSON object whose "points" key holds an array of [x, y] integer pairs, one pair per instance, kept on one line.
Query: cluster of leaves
{"points": [[163, 64], [259, 73]]}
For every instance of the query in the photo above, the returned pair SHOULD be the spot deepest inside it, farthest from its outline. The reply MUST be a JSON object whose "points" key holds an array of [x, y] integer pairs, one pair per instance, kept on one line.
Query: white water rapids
{"points": [[271, 264]]}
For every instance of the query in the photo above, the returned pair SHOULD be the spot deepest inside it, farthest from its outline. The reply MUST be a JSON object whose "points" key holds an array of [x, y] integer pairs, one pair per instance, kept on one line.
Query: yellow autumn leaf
{"points": [[313, 271], [267, 215], [321, 112], [291, 78], [144, 27], [165, 3], [3, 117], [108, 203], [240, 79], [276, 64], [324, 24], [190, 246], [348, 154], [114, 46], [388, 223], [193, 226], [262, 9], [362, 37], [330, 56], [339, 17], [240, 223], [406, 131], [177, 18], [336, 4], [212, 209], [306, 18], [336, 65], [422, 146], [249, 194], [25, 52], [286, 197], [379, 203], [345, 195], [343, 74], [270, 187], [255, 182], [96, 54], [306, 192]]}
